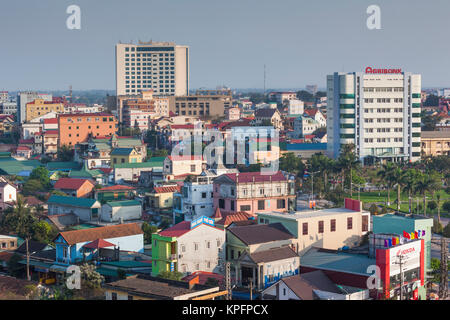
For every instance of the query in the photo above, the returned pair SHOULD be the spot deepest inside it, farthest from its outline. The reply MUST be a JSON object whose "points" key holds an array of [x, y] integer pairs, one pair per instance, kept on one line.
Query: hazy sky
{"points": [[230, 40]]}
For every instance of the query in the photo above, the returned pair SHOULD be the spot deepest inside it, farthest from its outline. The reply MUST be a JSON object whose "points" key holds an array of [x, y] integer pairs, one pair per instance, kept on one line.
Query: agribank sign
{"points": [[373, 70]]}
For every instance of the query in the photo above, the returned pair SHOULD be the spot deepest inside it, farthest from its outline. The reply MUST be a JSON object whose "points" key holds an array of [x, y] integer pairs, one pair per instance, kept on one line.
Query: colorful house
{"points": [[80, 188], [254, 192], [70, 244], [125, 155], [189, 246], [114, 193], [161, 198]]}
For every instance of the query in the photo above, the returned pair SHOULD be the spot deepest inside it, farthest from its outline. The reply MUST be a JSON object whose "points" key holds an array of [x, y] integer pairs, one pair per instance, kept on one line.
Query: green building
{"points": [[397, 223]]}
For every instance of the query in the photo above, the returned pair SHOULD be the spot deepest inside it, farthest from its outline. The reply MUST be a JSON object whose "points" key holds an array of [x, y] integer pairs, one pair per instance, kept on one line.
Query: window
{"points": [[183, 248], [349, 223], [113, 296], [320, 226], [333, 225], [195, 246], [281, 204], [221, 204], [245, 208], [232, 254], [232, 205], [203, 195], [218, 243], [208, 244], [260, 204], [193, 168], [305, 228]]}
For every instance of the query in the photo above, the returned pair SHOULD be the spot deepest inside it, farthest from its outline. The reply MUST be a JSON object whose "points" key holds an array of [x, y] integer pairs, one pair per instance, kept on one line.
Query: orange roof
{"points": [[234, 217], [70, 183], [167, 189], [108, 232]]}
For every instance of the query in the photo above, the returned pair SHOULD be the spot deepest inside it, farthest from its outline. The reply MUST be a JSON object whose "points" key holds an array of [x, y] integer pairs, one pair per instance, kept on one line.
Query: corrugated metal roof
{"points": [[72, 201]]}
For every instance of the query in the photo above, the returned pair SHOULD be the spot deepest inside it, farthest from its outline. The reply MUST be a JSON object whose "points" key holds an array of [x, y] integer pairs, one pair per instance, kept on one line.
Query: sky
{"points": [[230, 41]]}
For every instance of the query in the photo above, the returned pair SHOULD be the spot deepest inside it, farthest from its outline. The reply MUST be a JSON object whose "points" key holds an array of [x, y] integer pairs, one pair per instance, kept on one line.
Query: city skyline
{"points": [[299, 42]]}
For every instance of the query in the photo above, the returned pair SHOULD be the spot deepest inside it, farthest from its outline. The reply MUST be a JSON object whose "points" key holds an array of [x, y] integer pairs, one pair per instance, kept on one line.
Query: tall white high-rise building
{"points": [[378, 111], [161, 66]]}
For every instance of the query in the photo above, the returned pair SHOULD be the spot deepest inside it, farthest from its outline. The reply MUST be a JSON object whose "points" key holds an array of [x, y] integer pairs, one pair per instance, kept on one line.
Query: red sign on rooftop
{"points": [[373, 70]]}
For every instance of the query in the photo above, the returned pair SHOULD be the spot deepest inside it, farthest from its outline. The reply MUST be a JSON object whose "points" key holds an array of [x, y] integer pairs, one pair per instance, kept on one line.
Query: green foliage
{"points": [[432, 205], [41, 174], [446, 231], [43, 232], [32, 186], [384, 210], [172, 275], [437, 227], [65, 153], [446, 206], [373, 209], [256, 167], [59, 193], [148, 231], [305, 96], [431, 101], [15, 268], [291, 163]]}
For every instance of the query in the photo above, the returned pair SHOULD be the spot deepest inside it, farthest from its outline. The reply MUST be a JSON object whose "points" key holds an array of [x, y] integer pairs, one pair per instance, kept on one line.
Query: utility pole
{"points": [[400, 262], [443, 285], [28, 260], [251, 289], [228, 280]]}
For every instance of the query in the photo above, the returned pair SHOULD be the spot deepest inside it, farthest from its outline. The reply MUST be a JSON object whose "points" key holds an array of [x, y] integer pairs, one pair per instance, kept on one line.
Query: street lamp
{"points": [[312, 184]]}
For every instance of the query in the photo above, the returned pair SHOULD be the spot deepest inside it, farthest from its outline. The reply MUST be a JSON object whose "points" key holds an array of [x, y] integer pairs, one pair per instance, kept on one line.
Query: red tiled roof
{"points": [[177, 230], [26, 141], [117, 187], [51, 132], [70, 183], [234, 217], [4, 116], [51, 120], [108, 232], [99, 243], [309, 136], [257, 176], [23, 148], [311, 112], [105, 170], [167, 189], [182, 126]]}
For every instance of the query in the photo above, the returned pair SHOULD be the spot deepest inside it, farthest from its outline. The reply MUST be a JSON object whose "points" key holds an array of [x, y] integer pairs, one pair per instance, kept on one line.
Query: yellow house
{"points": [[6, 123], [39, 107], [162, 197], [125, 155]]}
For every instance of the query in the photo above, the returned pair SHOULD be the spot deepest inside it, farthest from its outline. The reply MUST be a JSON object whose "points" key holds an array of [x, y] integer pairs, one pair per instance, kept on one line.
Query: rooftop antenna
{"points": [[70, 93]]}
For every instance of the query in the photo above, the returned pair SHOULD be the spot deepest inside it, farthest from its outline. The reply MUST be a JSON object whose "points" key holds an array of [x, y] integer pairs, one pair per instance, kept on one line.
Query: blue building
{"points": [[84, 245]]}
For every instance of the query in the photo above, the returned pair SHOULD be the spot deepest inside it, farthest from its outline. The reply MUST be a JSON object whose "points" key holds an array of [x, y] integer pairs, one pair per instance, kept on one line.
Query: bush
{"points": [[373, 209], [432, 205]]}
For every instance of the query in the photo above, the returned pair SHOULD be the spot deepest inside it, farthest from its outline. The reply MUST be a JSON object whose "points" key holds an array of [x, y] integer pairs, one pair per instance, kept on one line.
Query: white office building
{"points": [[161, 66], [378, 111]]}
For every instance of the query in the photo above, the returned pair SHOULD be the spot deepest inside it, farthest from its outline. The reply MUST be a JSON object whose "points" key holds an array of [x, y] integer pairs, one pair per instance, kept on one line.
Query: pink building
{"points": [[253, 192]]}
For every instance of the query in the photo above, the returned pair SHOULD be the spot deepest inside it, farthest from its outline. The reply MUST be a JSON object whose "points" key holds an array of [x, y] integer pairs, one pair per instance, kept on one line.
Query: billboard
{"points": [[408, 253]]}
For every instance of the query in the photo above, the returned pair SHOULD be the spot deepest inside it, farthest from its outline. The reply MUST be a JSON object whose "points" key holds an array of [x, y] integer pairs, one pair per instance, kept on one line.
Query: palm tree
{"points": [[427, 183], [409, 186], [438, 201], [347, 161], [399, 179], [386, 174]]}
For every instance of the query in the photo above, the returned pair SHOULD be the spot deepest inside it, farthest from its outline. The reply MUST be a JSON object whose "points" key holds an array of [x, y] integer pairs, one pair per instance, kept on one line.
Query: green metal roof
{"points": [[37, 263], [11, 166], [72, 201], [52, 166], [125, 203], [346, 262], [85, 173], [147, 164], [121, 151]]}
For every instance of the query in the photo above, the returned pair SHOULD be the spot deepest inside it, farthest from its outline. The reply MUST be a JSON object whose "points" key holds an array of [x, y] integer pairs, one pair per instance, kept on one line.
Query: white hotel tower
{"points": [[378, 111], [161, 66]]}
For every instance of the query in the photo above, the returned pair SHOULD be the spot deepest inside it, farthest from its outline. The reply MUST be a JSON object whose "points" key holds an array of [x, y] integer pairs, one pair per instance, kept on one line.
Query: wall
{"points": [[113, 214]]}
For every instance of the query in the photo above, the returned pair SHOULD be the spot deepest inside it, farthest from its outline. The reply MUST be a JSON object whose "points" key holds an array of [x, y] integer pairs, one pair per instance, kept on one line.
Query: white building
{"points": [[119, 211], [304, 125], [296, 107], [8, 193], [378, 111], [161, 66]]}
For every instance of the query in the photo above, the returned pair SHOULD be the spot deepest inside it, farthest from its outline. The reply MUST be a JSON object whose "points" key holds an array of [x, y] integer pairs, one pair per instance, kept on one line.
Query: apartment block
{"points": [[378, 111], [161, 66], [75, 128]]}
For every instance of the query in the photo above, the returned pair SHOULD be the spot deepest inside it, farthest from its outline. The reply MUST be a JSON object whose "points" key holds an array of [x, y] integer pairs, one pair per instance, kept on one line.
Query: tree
{"points": [[446, 206], [41, 174], [437, 227], [92, 279], [15, 268], [305, 96], [446, 231], [65, 153], [409, 186], [430, 122], [347, 161], [431, 101], [291, 163], [172, 275], [373, 209], [386, 174], [432, 205], [429, 182], [399, 178], [32, 186], [19, 220], [43, 232], [148, 231]]}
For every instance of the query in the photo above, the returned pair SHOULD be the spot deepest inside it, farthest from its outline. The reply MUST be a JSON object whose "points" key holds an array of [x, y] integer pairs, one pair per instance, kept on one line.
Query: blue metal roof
{"points": [[306, 146]]}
